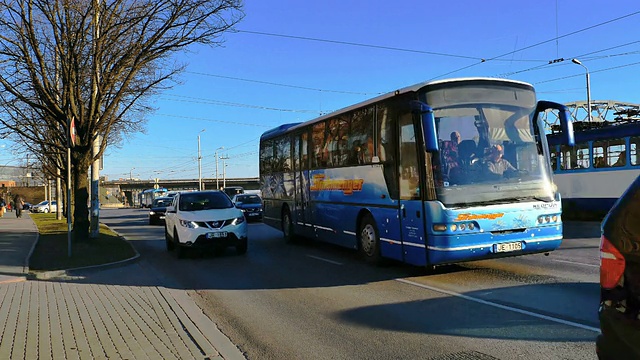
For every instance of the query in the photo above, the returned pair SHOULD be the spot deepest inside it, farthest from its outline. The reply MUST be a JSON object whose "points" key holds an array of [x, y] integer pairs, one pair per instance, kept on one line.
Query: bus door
{"points": [[411, 206], [300, 166]]}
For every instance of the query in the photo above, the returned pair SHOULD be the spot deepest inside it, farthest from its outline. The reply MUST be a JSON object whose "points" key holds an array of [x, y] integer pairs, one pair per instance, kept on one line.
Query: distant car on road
{"points": [[251, 205], [43, 207], [26, 206], [204, 219], [619, 310], [158, 209], [233, 190]]}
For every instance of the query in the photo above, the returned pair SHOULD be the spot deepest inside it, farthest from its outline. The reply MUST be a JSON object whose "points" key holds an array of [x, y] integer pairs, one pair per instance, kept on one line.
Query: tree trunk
{"points": [[80, 176]]}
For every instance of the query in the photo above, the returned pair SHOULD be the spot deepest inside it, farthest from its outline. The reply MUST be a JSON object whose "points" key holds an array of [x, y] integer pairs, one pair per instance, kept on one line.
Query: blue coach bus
{"points": [[388, 178], [592, 175]]}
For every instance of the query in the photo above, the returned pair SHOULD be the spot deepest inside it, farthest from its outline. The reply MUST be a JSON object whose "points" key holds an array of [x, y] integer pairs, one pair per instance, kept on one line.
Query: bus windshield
{"points": [[490, 150]]}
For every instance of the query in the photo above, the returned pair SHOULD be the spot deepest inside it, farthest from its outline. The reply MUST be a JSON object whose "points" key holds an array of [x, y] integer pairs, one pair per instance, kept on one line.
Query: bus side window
{"points": [[317, 143], [386, 120], [361, 138]]}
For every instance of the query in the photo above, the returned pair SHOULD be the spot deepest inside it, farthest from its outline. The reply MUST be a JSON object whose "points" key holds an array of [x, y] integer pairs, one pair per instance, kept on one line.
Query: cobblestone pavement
{"points": [[66, 319]]}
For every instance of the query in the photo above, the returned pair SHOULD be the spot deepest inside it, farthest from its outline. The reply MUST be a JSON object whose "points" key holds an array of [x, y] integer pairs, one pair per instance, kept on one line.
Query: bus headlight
{"points": [[439, 227]]}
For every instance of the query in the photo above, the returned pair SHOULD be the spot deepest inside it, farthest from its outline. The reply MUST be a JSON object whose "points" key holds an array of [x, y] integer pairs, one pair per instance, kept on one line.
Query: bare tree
{"points": [[97, 62]]}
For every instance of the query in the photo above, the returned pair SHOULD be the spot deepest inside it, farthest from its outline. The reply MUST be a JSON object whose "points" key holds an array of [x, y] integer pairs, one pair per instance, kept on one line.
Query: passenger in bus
{"points": [[599, 162], [622, 159], [496, 166], [450, 151]]}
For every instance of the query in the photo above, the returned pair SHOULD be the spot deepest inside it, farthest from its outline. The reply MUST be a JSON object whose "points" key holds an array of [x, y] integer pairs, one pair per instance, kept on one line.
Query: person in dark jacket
{"points": [[19, 204]]}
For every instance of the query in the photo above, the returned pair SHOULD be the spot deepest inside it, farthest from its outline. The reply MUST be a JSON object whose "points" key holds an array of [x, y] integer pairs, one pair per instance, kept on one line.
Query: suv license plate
{"points": [[216, 235], [506, 247]]}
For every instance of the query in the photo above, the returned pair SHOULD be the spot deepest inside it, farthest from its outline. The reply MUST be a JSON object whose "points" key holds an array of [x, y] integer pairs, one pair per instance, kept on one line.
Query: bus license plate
{"points": [[216, 235], [506, 247]]}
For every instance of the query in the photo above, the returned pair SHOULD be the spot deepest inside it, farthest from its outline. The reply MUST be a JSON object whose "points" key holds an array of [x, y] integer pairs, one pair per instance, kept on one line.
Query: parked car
{"points": [[619, 310], [251, 205], [43, 207], [204, 219], [158, 209], [26, 206]]}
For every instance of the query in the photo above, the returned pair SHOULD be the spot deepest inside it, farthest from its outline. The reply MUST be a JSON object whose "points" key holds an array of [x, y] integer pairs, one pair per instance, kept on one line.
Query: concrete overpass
{"points": [[131, 188]]}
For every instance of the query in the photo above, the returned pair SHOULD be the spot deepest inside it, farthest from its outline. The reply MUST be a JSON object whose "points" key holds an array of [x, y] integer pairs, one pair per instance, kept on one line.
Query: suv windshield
{"points": [[204, 201], [490, 150]]}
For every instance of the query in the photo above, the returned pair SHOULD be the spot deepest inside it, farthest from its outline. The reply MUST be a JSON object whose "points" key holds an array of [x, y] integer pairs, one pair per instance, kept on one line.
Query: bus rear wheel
{"points": [[287, 226], [369, 240]]}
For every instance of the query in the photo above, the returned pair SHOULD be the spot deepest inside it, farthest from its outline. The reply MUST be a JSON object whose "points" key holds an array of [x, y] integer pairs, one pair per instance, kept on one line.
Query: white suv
{"points": [[204, 219]]}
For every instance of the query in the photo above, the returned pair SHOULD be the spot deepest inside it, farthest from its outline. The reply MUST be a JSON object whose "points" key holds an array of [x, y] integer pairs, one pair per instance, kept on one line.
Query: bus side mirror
{"points": [[565, 120], [171, 209], [428, 125]]}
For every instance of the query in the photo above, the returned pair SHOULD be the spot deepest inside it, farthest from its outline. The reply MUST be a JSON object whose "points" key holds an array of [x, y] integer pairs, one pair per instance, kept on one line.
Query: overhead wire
{"points": [[540, 43]]}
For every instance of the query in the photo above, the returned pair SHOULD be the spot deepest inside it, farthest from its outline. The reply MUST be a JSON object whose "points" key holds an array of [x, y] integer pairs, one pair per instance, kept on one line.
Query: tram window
{"points": [[554, 160], [583, 156], [598, 156], [633, 150], [574, 157], [612, 152]]}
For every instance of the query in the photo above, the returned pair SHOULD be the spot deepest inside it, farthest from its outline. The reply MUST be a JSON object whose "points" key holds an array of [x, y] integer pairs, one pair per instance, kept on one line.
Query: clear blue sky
{"points": [[258, 80]]}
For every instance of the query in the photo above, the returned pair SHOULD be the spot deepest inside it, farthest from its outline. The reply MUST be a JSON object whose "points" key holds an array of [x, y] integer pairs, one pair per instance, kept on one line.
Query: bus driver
{"points": [[496, 165]]}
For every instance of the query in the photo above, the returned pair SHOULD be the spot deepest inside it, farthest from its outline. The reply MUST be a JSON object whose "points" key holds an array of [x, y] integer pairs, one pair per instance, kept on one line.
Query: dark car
{"points": [[250, 204], [158, 210], [619, 310], [26, 206]]}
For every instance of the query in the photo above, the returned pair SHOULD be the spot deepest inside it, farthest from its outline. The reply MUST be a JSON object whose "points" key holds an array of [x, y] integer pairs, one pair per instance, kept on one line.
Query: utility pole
{"points": [[217, 181], [199, 163], [224, 171]]}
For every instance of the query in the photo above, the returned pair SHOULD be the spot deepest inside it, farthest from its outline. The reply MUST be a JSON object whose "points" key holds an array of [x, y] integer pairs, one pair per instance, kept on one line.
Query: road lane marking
{"points": [[325, 260], [500, 306], [576, 263]]}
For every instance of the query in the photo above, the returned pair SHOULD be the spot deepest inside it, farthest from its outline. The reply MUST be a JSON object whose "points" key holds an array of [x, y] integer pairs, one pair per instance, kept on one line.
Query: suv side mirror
{"points": [[171, 209]]}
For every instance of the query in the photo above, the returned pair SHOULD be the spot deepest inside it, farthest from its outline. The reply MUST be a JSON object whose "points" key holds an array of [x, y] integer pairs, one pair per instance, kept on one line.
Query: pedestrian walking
{"points": [[19, 204], [2, 205]]}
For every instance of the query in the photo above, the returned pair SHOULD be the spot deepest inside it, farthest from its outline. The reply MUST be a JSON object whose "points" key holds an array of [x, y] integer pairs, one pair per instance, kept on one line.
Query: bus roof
{"points": [[413, 88]]}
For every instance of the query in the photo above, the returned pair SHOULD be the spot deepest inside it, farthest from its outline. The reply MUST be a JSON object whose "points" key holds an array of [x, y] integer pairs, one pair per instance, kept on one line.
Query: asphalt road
{"points": [[316, 301]]}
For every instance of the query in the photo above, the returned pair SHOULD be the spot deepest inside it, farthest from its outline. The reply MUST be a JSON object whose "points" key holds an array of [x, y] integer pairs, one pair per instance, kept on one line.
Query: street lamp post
{"points": [[576, 61], [217, 181], [199, 163]]}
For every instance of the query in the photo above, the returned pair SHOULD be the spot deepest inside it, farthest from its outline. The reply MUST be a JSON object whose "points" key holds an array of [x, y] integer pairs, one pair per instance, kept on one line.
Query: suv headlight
{"points": [[237, 221], [189, 224]]}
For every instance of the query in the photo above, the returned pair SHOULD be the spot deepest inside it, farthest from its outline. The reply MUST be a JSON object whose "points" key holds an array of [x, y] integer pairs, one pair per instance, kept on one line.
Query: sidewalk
{"points": [[93, 318]]}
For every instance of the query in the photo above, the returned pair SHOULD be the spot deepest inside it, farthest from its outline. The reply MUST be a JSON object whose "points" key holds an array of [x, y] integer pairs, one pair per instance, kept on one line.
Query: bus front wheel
{"points": [[287, 226], [369, 240]]}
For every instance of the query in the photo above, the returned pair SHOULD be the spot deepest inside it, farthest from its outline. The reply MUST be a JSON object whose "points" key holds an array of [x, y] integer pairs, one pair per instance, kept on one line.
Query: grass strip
{"points": [[51, 251]]}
